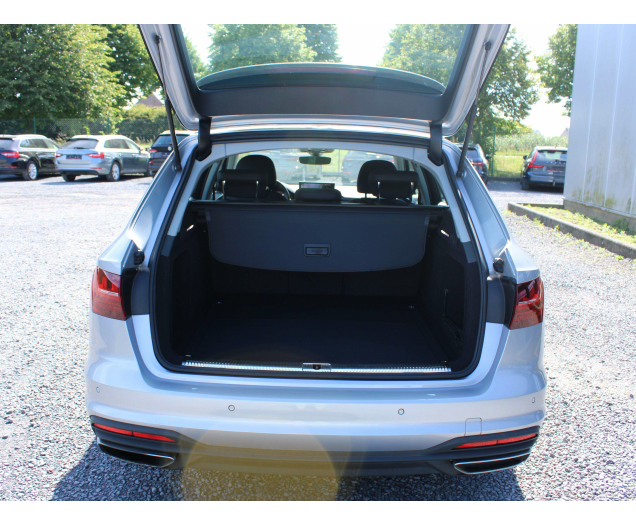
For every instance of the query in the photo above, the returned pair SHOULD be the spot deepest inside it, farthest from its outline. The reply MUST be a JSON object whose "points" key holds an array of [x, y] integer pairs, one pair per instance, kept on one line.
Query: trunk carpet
{"points": [[301, 329]]}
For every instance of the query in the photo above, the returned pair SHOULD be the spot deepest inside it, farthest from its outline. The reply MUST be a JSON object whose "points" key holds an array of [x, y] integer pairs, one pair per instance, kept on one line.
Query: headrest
{"points": [[396, 185], [259, 163], [317, 195], [370, 166], [243, 184]]}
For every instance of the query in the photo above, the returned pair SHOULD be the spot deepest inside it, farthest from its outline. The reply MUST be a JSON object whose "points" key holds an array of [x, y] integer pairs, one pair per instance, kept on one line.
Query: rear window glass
{"points": [[551, 156], [412, 57], [80, 144], [472, 154], [6, 143], [165, 140]]}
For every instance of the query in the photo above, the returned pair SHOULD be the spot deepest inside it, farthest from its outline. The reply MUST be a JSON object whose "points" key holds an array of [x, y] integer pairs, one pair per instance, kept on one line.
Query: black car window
{"points": [[39, 143], [165, 140], [551, 156], [50, 144], [6, 143], [26, 143], [121, 144]]}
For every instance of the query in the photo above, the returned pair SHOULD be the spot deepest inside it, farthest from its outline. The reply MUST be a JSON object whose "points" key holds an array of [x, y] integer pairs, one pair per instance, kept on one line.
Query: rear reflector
{"points": [[492, 442], [115, 430], [528, 309], [144, 435], [156, 437], [107, 297], [11, 154]]}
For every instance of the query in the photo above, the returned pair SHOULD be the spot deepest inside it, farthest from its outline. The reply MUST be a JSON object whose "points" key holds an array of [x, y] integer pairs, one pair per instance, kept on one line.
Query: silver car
{"points": [[244, 323], [107, 156]]}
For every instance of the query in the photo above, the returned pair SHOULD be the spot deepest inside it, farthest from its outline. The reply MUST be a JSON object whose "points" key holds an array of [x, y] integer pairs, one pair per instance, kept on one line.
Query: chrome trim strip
{"points": [[459, 464], [284, 367]]}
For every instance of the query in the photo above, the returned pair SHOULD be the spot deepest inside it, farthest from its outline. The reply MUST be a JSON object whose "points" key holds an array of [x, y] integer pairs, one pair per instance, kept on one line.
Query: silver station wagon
{"points": [[388, 327], [107, 156]]}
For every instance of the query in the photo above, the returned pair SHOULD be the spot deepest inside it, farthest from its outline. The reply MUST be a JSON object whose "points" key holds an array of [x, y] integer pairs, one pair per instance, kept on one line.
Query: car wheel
{"points": [[485, 180], [524, 185], [114, 174], [148, 172], [31, 171], [68, 178]]}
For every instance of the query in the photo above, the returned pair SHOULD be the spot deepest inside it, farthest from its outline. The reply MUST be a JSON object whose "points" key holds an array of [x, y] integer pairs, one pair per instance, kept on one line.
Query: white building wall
{"points": [[601, 169]]}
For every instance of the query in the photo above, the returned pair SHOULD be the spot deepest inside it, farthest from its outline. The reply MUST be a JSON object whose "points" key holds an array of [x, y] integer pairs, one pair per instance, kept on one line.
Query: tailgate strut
{"points": [[471, 117]]}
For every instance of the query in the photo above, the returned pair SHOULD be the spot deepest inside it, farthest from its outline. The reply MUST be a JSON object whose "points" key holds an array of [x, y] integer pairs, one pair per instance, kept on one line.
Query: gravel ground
{"points": [[51, 236]]}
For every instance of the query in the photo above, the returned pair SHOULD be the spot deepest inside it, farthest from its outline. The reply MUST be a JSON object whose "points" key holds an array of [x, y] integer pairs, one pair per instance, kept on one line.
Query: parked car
{"points": [[27, 155], [240, 323], [162, 147], [287, 165], [354, 160], [479, 160], [107, 156], [545, 166]]}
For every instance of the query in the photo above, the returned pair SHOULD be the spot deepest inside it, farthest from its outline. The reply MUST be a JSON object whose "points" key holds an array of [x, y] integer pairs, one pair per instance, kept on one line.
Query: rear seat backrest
{"points": [[246, 185]]}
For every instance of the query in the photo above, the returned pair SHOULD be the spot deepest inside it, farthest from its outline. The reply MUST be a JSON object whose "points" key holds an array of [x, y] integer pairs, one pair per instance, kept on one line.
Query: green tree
{"points": [[131, 62], [556, 67], [198, 67], [508, 93], [427, 49], [238, 45], [323, 39], [55, 70]]}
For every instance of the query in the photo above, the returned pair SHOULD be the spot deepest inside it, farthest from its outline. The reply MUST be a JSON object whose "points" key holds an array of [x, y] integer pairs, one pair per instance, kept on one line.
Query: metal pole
{"points": [[35, 129], [492, 164]]}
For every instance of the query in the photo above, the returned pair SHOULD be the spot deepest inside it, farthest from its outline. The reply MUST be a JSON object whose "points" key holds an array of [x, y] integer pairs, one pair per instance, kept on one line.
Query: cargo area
{"points": [[265, 306]]}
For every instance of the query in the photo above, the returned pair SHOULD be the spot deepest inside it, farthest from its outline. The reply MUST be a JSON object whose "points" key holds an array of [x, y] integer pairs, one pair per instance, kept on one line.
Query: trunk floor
{"points": [[295, 329]]}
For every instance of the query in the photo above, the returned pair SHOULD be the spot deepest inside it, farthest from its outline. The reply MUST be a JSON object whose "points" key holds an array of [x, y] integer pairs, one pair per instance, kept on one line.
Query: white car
{"points": [[243, 323]]}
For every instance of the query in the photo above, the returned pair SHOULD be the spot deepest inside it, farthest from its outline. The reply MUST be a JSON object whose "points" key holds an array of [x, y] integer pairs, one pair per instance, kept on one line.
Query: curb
{"points": [[595, 238], [503, 179]]}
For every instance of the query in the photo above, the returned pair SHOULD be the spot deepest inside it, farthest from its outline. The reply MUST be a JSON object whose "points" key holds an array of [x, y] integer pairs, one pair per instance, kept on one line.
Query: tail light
{"points": [[11, 154], [107, 297], [477, 163], [152, 151], [58, 155], [96, 155], [528, 309], [490, 443], [532, 164]]}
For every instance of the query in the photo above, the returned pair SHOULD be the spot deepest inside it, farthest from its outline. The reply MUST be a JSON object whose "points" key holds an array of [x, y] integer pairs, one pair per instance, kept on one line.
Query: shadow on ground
{"points": [[100, 477]]}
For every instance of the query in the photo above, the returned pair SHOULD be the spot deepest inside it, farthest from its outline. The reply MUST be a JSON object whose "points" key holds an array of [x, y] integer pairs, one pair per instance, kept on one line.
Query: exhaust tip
{"points": [[484, 466], [148, 459]]}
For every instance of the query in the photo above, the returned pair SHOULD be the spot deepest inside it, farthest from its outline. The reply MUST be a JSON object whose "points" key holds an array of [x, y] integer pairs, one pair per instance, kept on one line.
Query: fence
{"points": [[141, 130]]}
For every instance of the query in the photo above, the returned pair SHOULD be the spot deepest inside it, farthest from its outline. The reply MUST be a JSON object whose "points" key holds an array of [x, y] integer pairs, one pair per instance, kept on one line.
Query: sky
{"points": [[363, 44]]}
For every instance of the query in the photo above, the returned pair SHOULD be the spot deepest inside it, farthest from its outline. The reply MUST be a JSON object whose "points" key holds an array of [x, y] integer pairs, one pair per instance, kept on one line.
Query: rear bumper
{"points": [[82, 171], [312, 426], [544, 180], [184, 452]]}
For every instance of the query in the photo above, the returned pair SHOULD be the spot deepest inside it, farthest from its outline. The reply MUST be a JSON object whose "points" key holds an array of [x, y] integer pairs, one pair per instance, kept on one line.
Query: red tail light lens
{"points": [[144, 435], [505, 441], [58, 155], [96, 155], [528, 309], [107, 297], [11, 154], [533, 165]]}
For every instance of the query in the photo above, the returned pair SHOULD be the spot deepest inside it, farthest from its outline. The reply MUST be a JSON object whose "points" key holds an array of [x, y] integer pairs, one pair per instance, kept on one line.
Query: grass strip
{"points": [[618, 230]]}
